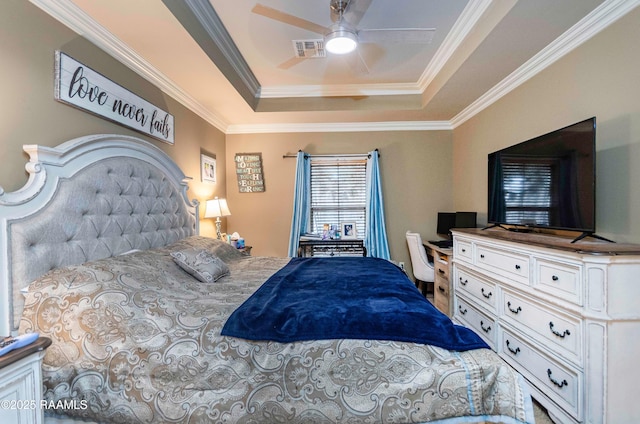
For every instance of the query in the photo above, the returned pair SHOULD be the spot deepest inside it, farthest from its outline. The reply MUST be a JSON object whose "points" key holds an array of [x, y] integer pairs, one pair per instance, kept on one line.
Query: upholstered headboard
{"points": [[88, 199]]}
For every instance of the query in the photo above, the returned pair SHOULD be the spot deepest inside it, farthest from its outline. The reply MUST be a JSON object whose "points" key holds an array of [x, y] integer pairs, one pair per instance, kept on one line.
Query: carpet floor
{"points": [[540, 414]]}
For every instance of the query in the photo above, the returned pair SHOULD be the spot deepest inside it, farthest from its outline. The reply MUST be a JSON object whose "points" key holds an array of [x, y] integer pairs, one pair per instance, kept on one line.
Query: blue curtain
{"points": [[301, 202], [376, 233]]}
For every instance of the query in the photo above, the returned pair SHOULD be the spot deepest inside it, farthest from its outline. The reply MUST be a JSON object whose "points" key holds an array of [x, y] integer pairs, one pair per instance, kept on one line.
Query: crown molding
{"points": [[67, 13], [341, 127], [599, 19], [346, 90], [607, 13], [210, 21], [463, 26]]}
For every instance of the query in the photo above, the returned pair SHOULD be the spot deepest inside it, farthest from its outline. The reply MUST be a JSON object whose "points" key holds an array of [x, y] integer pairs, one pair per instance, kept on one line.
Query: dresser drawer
{"points": [[482, 290], [513, 266], [561, 279], [481, 323], [548, 374], [549, 327], [462, 250]]}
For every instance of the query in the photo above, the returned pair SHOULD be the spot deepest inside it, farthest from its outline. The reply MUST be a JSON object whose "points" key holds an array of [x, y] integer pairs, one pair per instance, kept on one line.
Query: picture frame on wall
{"points": [[207, 169], [348, 230]]}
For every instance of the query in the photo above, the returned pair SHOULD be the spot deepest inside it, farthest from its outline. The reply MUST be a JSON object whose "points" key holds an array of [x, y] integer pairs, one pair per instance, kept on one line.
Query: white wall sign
{"points": [[81, 86]]}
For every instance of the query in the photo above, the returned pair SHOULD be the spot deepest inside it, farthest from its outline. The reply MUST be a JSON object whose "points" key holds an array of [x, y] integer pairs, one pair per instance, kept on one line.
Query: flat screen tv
{"points": [[546, 182]]}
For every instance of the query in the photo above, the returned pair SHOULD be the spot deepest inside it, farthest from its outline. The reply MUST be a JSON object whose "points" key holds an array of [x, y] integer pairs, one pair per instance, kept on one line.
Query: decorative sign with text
{"points": [[81, 86], [249, 172]]}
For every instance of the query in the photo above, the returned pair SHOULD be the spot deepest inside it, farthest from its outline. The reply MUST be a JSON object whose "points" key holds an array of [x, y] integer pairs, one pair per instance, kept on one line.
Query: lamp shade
{"points": [[215, 208]]}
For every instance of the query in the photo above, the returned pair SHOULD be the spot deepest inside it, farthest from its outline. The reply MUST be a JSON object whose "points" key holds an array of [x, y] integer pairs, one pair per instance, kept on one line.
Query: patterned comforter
{"points": [[138, 339]]}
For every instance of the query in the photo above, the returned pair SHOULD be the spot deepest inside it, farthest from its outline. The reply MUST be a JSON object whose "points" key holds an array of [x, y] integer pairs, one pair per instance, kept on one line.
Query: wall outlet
{"points": [[401, 265]]}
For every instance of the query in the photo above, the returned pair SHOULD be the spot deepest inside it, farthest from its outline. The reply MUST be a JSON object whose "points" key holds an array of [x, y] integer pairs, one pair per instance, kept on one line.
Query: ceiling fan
{"points": [[344, 36]]}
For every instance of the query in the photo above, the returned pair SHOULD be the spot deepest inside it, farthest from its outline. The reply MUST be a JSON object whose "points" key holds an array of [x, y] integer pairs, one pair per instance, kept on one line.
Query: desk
{"points": [[341, 247], [442, 268]]}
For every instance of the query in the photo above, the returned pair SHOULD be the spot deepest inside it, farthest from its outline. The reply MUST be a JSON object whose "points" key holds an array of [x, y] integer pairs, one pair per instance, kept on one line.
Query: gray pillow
{"points": [[201, 264]]}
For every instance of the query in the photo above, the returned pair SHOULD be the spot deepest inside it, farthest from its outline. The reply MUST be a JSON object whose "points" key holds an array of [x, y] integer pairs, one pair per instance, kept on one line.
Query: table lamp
{"points": [[216, 208]]}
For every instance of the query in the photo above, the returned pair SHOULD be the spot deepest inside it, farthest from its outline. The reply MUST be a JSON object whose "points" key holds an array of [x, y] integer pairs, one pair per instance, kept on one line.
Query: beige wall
{"points": [[423, 172], [29, 114], [601, 78], [414, 167]]}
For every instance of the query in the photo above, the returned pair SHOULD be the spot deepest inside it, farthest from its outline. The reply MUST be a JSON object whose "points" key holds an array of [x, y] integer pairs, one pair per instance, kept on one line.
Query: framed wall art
{"points": [[80, 86], [249, 172], [207, 169]]}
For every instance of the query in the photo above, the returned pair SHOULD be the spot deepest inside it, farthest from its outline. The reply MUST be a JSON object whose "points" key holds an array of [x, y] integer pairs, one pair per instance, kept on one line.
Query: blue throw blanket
{"points": [[345, 298]]}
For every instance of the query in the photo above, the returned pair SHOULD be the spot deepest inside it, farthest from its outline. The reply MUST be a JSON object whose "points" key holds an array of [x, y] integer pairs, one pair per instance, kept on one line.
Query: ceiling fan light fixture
{"points": [[340, 40]]}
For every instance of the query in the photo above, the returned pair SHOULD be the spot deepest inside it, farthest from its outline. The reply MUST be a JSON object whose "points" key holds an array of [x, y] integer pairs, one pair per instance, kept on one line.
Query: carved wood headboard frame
{"points": [[87, 199]]}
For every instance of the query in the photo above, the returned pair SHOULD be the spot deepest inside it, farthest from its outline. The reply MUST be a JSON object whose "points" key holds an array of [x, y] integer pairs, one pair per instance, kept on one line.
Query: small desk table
{"points": [[338, 247], [442, 268]]}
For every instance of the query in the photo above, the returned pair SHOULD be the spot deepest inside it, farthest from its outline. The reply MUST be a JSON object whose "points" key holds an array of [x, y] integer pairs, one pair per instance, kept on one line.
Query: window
{"points": [[527, 190], [338, 193]]}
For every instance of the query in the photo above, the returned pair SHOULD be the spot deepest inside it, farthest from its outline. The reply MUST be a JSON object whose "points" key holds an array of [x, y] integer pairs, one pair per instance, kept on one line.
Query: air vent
{"points": [[309, 49]]}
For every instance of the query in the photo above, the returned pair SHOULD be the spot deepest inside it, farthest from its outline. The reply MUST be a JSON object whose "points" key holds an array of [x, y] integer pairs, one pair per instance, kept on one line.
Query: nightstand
{"points": [[246, 250], [21, 383]]}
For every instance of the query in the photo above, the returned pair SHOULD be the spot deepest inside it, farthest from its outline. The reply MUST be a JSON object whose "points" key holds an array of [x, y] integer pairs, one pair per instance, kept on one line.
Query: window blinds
{"points": [[338, 193]]}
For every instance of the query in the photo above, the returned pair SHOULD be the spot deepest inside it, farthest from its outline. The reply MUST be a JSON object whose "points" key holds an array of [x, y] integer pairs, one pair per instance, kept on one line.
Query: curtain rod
{"points": [[290, 155]]}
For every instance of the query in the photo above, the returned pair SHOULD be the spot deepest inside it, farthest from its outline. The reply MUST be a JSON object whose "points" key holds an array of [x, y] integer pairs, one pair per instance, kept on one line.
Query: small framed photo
{"points": [[207, 169], [348, 230]]}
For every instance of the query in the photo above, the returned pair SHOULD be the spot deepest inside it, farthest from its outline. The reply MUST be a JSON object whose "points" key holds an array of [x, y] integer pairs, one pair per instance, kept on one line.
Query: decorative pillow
{"points": [[201, 264]]}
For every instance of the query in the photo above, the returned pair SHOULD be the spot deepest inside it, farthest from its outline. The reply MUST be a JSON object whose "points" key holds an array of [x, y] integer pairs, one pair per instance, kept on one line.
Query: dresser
{"points": [[565, 315]]}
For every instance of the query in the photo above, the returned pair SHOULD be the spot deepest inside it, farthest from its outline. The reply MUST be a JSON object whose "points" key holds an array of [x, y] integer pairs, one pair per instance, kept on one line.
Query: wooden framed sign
{"points": [[86, 89], [249, 172]]}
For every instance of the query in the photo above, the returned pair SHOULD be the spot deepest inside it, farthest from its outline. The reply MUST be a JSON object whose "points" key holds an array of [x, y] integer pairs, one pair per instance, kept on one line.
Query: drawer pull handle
{"points": [[462, 311], [515, 311], [463, 250], [518, 267], [481, 256], [557, 333], [463, 282], [514, 351], [487, 329], [440, 289], [441, 271], [555, 278], [560, 384], [487, 296]]}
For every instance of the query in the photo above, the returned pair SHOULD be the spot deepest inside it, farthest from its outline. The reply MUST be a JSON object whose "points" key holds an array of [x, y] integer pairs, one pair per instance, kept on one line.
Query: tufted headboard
{"points": [[89, 198]]}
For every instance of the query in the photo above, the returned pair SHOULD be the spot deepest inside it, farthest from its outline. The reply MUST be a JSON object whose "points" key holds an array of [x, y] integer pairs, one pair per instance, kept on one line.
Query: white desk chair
{"points": [[422, 269]]}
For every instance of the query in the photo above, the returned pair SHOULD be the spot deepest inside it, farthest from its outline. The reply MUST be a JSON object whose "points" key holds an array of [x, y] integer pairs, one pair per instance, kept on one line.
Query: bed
{"points": [[94, 253]]}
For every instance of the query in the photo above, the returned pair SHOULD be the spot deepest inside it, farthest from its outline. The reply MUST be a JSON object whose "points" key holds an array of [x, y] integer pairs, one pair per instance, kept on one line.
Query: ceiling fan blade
{"points": [[286, 18], [291, 62], [357, 63], [356, 10], [396, 35]]}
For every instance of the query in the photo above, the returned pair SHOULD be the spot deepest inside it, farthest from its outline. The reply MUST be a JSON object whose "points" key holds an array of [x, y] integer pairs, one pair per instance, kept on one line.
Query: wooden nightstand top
{"points": [[246, 250], [17, 354]]}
